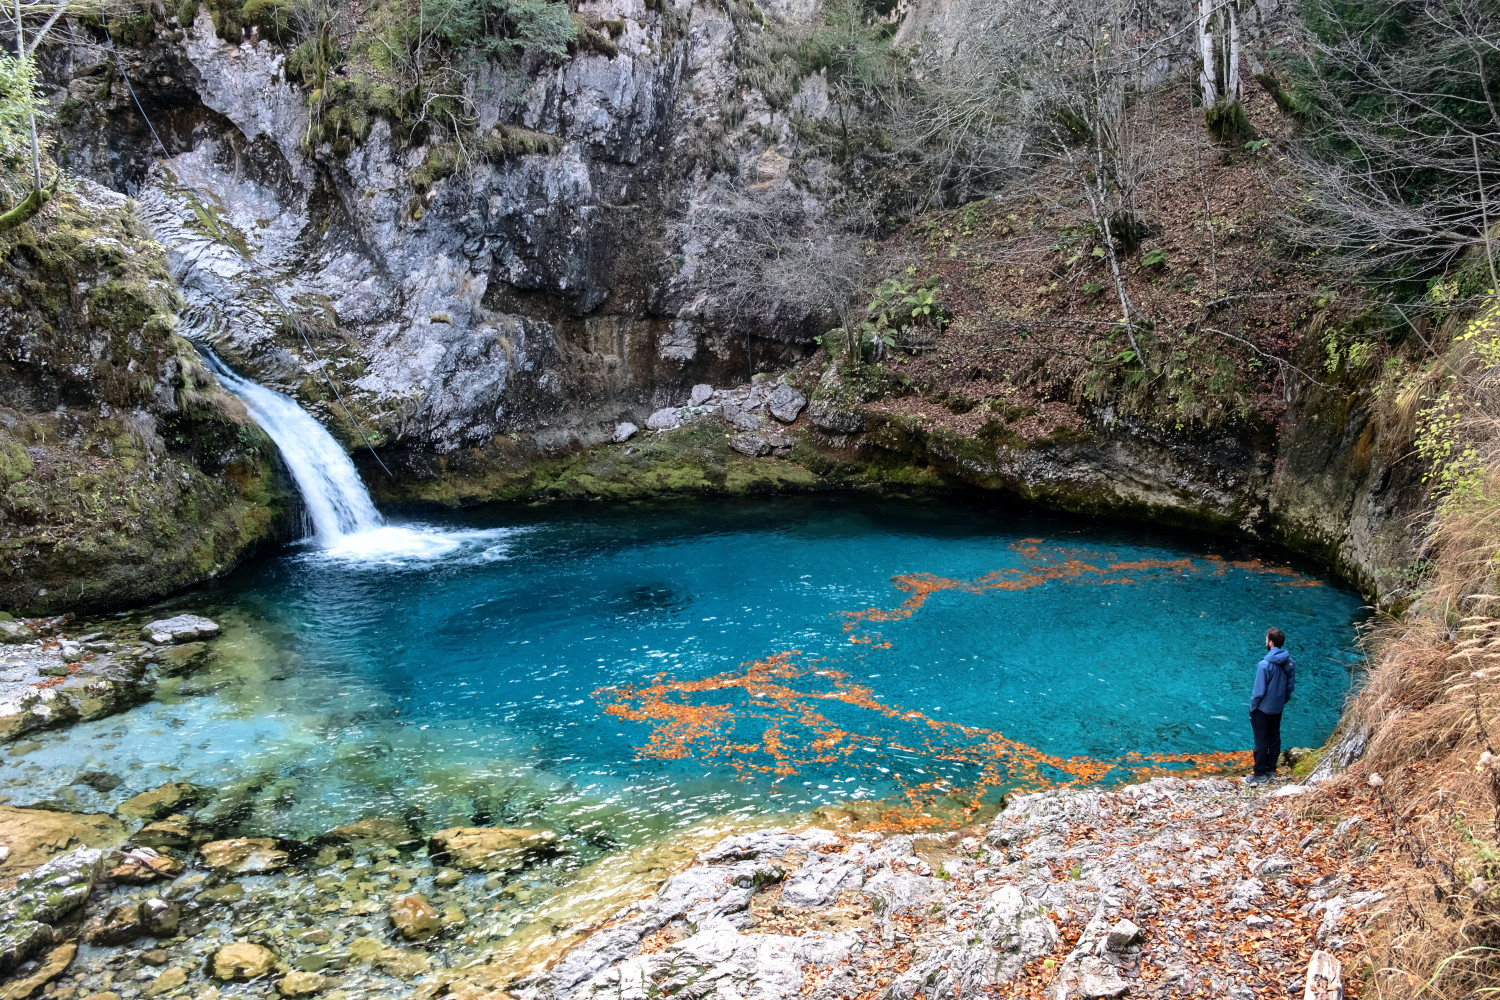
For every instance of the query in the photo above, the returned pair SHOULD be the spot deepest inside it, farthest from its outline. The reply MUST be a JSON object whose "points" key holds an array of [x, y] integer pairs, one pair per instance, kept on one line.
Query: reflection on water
{"points": [[614, 673]]}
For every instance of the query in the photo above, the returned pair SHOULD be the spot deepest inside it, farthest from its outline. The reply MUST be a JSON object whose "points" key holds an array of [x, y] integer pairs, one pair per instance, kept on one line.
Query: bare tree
{"points": [[754, 260], [1405, 134]]}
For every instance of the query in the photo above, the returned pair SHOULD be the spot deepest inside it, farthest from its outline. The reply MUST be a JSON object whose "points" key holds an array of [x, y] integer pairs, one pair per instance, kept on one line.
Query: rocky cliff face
{"points": [[125, 472], [526, 293], [490, 321]]}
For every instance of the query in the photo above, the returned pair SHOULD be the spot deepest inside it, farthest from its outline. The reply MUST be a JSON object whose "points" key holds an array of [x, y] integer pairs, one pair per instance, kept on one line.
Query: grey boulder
{"points": [[180, 628]]}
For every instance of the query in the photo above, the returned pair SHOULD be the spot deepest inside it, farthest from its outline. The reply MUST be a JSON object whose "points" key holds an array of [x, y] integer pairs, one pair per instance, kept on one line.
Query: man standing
{"points": [[1275, 679]]}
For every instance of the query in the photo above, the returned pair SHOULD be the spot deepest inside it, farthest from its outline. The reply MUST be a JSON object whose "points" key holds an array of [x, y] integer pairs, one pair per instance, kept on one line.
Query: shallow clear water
{"points": [[618, 671]]}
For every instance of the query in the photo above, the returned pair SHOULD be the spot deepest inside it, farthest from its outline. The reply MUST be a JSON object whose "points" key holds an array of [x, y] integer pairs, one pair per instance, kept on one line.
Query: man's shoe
{"points": [[1258, 779]]}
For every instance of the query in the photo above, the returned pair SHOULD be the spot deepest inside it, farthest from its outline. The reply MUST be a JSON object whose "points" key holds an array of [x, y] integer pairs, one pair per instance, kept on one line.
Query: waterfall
{"points": [[346, 524], [336, 498]]}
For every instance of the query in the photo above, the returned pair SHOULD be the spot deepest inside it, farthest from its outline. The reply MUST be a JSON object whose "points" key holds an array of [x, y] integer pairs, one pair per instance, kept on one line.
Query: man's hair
{"points": [[1277, 637]]}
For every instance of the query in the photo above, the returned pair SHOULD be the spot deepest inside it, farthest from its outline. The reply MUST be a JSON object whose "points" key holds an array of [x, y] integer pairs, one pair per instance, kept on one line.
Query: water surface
{"points": [[617, 671]]}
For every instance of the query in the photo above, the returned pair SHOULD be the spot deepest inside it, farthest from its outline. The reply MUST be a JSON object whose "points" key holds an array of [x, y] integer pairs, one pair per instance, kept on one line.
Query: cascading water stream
{"points": [[336, 498], [345, 523]]}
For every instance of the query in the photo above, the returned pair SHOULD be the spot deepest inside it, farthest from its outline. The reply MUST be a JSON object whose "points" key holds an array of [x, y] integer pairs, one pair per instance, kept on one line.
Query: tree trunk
{"points": [[1206, 79]]}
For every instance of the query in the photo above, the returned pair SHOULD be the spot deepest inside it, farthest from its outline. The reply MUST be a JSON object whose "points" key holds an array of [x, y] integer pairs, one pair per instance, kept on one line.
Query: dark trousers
{"points": [[1267, 740]]}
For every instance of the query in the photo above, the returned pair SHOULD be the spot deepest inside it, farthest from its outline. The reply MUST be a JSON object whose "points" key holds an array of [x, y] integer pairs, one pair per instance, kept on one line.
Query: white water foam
{"points": [[345, 523]]}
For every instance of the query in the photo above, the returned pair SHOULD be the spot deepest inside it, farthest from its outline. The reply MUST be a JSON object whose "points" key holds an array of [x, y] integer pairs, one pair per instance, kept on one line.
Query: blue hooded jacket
{"points": [[1275, 679]]}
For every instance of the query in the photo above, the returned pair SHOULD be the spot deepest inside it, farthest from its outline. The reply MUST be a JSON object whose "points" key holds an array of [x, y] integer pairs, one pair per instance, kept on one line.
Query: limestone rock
{"points": [[168, 981], [663, 419], [750, 444], [163, 801], [53, 965], [301, 984], [624, 431], [819, 883], [14, 631], [415, 918], [490, 848], [180, 628], [36, 835], [829, 416], [1099, 986], [785, 403], [701, 394], [243, 856], [740, 419], [242, 961], [41, 897], [1122, 935], [364, 949]]}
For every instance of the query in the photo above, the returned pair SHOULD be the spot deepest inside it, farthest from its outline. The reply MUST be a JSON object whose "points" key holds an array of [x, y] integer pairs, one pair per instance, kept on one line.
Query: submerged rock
{"points": [[242, 961], [34, 836], [180, 628], [168, 981], [243, 856], [490, 848], [415, 918], [163, 801], [53, 965], [301, 984], [373, 830]]}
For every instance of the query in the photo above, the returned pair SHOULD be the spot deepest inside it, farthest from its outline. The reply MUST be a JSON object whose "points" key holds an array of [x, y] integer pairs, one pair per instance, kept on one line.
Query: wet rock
{"points": [[102, 996], [447, 878], [243, 856], [163, 801], [160, 918], [56, 961], [176, 832], [168, 981], [180, 628], [403, 963], [40, 898], [301, 984], [13, 631], [785, 403], [175, 661], [701, 394], [374, 831], [750, 444], [490, 848], [624, 431], [663, 419], [364, 949], [232, 892], [156, 956], [242, 961], [316, 936], [1122, 935], [142, 865], [121, 924], [36, 835], [415, 918]]}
